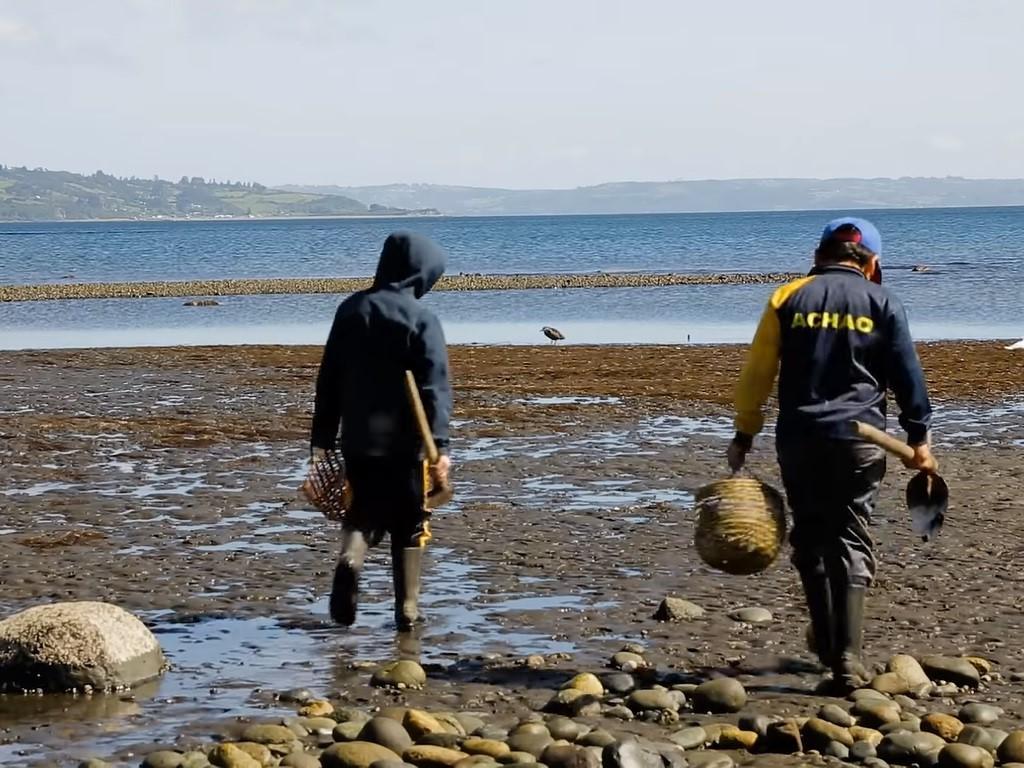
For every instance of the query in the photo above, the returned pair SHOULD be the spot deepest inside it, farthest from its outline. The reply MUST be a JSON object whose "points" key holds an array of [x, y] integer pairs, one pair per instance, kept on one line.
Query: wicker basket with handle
{"points": [[741, 525], [327, 487]]}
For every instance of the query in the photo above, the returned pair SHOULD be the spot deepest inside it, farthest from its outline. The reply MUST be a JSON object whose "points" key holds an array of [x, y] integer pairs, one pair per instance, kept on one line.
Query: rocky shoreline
{"points": [[631, 714], [304, 285]]}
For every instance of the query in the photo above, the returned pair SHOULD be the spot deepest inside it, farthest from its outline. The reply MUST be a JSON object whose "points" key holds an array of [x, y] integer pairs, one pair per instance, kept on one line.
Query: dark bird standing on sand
{"points": [[552, 333]]}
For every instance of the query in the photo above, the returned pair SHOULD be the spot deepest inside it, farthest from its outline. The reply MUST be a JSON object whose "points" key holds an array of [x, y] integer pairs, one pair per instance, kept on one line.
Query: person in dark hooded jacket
{"points": [[377, 335]]}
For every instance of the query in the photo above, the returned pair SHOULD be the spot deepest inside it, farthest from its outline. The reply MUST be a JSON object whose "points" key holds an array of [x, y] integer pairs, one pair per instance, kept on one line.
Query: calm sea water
{"points": [[972, 291]]}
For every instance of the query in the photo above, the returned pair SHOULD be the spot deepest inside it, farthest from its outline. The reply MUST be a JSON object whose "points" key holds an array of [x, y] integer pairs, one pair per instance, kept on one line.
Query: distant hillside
{"points": [[41, 195], [685, 196]]}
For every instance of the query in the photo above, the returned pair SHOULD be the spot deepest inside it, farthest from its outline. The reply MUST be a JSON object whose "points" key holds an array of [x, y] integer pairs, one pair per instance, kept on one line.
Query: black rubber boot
{"points": [[847, 667], [406, 563], [821, 638], [345, 591]]}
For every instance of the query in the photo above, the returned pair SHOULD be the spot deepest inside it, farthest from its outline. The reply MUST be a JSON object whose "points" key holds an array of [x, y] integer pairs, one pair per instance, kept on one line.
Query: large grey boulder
{"points": [[68, 646]]}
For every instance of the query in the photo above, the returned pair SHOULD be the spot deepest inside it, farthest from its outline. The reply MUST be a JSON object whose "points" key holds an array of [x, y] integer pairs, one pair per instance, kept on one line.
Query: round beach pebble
{"points": [[870, 735], [532, 724], [869, 694], [722, 695], [988, 739], [964, 756], [619, 683], [948, 669], [905, 748], [476, 761], [493, 732], [419, 723], [689, 738], [268, 734], [355, 754], [862, 750], [677, 609], [709, 760], [833, 713], [751, 615], [300, 760], [731, 737], [163, 759], [891, 683], [574, 703], [388, 733], [564, 728], [400, 674], [231, 756], [597, 738], [876, 712], [353, 715], [836, 749], [347, 731], [980, 714], [446, 740], [471, 724], [652, 699], [631, 754], [586, 683], [909, 669], [1011, 750], [261, 752], [489, 747], [627, 661], [316, 708], [619, 712], [946, 726], [425, 756], [818, 734], [533, 743], [570, 756]]}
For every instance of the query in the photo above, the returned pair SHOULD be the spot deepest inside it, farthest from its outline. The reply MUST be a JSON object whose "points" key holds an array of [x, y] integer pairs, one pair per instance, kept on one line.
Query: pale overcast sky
{"points": [[518, 93]]}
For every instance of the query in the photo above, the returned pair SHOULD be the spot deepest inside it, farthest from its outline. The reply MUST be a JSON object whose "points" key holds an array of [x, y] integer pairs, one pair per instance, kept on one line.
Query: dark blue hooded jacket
{"points": [[377, 335]]}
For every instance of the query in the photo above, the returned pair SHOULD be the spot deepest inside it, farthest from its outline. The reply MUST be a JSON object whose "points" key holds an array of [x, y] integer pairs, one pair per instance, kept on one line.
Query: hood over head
{"points": [[409, 261]]}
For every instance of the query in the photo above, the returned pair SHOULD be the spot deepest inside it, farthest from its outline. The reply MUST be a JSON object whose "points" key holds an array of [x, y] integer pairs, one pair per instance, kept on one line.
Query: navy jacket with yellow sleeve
{"points": [[837, 341]]}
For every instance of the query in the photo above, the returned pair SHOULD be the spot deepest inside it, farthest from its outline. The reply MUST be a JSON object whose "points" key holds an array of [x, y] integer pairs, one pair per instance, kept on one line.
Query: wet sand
{"points": [[163, 481]]}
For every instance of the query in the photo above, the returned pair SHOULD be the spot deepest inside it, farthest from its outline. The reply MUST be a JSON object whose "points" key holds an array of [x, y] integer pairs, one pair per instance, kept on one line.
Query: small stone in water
{"points": [[722, 695], [751, 615], [676, 609]]}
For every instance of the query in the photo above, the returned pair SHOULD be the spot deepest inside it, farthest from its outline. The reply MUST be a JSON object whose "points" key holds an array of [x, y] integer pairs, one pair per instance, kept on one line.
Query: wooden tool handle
{"points": [[883, 440], [413, 392]]}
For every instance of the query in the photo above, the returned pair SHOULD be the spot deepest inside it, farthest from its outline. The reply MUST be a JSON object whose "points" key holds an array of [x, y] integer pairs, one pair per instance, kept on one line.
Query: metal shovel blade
{"points": [[927, 494], [927, 500]]}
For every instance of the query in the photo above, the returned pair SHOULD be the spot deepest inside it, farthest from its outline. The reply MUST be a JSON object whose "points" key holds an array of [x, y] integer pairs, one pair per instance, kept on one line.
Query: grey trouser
{"points": [[832, 487]]}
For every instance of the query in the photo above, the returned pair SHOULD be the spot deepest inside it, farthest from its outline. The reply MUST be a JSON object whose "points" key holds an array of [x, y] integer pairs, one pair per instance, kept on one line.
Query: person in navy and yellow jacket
{"points": [[837, 340]]}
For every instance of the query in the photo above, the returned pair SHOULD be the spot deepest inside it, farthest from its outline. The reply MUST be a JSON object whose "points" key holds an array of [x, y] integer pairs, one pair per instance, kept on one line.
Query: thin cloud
{"points": [[14, 31], [945, 143]]}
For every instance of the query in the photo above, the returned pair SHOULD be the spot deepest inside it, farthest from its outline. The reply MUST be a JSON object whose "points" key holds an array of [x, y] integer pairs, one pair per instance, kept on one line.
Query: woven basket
{"points": [[741, 525], [327, 487]]}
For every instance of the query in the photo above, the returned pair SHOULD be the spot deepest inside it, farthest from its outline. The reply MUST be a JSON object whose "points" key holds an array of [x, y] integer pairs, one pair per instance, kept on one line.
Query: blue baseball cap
{"points": [[849, 229]]}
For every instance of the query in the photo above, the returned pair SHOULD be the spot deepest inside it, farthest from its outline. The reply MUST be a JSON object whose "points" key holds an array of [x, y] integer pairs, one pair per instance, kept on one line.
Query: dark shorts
{"points": [[387, 498], [832, 488]]}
